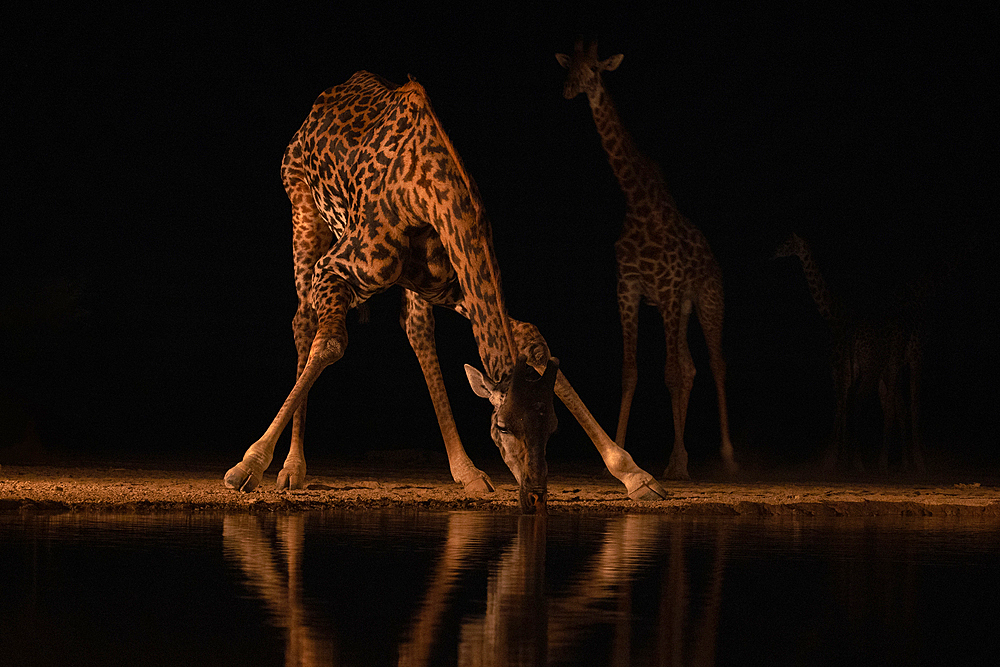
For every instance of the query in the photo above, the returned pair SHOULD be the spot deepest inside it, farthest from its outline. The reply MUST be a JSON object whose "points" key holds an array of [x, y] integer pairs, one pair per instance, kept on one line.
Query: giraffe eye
{"points": [[502, 428]]}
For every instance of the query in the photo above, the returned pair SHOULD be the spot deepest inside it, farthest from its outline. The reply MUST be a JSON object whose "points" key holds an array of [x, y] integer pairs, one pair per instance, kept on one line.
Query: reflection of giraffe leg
{"points": [[514, 629], [629, 300], [331, 298], [465, 531], [703, 650], [628, 542], [674, 647], [245, 543], [710, 316], [679, 377], [417, 319], [674, 600]]}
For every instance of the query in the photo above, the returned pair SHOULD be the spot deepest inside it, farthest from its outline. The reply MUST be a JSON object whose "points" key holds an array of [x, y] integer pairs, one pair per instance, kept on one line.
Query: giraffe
{"points": [[379, 198], [867, 356], [662, 258]]}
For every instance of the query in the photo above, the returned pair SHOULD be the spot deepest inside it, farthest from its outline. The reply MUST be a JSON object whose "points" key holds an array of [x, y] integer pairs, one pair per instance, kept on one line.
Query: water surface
{"points": [[468, 588]]}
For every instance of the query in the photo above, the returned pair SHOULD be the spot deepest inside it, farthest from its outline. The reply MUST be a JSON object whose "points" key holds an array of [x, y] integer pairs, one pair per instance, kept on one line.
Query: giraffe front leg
{"points": [[639, 484], [417, 319], [328, 346]]}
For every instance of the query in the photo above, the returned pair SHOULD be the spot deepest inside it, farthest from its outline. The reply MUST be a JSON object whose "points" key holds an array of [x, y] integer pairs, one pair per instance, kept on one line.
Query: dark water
{"points": [[425, 588]]}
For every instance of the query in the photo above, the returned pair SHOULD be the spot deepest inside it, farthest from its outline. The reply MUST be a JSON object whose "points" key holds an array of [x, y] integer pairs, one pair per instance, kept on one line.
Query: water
{"points": [[464, 588]]}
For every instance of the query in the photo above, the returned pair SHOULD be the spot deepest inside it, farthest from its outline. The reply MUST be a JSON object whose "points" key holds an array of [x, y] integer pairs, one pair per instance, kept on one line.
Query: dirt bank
{"points": [[133, 487]]}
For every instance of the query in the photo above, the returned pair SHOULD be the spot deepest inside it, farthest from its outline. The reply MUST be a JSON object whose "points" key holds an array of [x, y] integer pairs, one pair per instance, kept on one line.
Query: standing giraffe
{"points": [[868, 356], [662, 258], [380, 198]]}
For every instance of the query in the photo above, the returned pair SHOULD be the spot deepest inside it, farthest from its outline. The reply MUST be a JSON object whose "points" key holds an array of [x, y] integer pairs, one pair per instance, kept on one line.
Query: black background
{"points": [[147, 295]]}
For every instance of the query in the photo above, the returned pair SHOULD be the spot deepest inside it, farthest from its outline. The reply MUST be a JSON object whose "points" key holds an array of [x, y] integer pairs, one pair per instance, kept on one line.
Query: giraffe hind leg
{"points": [[293, 472], [679, 377], [710, 311], [331, 299]]}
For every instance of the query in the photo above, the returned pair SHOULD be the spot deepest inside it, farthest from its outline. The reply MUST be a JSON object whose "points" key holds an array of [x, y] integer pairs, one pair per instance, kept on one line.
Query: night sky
{"points": [[147, 290]]}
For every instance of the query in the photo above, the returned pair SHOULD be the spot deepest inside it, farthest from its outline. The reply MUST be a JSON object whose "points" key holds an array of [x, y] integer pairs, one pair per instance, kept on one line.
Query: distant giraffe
{"points": [[379, 198], [867, 356], [662, 258]]}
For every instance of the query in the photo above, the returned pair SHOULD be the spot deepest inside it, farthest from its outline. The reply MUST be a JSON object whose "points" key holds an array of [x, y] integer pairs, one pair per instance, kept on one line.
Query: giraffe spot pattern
{"points": [[381, 199]]}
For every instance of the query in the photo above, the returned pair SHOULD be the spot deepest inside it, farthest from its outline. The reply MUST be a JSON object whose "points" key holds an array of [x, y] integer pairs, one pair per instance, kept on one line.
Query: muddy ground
{"points": [[412, 482]]}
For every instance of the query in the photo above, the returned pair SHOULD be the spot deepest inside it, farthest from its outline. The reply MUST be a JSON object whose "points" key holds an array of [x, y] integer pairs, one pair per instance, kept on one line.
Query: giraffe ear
{"points": [[481, 385], [563, 59], [613, 62]]}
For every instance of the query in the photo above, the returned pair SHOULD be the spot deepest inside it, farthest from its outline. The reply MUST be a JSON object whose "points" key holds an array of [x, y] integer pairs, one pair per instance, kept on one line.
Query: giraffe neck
{"points": [[817, 286], [468, 238], [483, 302], [636, 174]]}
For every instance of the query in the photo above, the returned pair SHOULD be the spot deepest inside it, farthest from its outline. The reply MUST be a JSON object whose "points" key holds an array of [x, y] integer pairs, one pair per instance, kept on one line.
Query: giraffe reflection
{"points": [[246, 544], [526, 625], [525, 621]]}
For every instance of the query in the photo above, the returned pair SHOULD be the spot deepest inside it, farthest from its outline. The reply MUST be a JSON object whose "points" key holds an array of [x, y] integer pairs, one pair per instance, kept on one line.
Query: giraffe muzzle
{"points": [[534, 500]]}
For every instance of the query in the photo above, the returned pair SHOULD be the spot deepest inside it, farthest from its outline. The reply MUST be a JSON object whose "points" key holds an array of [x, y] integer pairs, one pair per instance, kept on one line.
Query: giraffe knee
{"points": [[327, 349]]}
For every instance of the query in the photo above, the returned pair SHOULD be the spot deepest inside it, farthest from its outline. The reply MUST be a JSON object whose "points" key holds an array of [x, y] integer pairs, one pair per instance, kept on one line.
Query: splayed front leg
{"points": [[639, 484], [474, 480], [246, 475]]}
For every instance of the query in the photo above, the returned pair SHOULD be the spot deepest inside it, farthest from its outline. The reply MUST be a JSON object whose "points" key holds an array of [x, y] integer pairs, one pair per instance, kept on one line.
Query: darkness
{"points": [[147, 295]]}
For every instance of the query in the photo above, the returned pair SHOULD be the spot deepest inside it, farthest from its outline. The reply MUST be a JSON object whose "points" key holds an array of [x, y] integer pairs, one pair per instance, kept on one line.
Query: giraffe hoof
{"points": [[242, 479], [649, 490], [479, 485], [291, 480]]}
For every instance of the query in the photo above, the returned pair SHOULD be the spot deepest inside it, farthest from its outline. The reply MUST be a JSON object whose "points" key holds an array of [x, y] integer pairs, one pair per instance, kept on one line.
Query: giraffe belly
{"points": [[413, 259]]}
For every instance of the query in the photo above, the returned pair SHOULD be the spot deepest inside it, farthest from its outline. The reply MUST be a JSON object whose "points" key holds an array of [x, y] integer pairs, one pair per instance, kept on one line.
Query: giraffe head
{"points": [[795, 246], [523, 420], [585, 69]]}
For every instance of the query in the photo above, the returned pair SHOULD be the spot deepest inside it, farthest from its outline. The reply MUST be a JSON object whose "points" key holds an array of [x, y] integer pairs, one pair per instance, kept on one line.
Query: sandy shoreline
{"points": [[128, 487]]}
